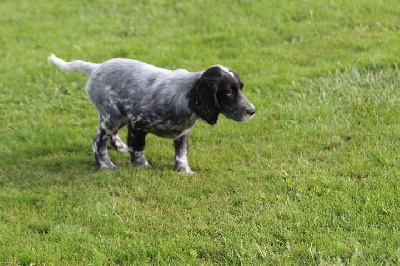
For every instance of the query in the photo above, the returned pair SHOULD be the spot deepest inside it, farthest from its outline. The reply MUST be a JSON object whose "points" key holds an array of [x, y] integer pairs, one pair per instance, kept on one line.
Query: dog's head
{"points": [[219, 90]]}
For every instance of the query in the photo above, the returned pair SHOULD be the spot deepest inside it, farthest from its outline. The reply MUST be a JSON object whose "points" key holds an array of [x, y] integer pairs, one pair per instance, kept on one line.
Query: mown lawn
{"points": [[312, 179]]}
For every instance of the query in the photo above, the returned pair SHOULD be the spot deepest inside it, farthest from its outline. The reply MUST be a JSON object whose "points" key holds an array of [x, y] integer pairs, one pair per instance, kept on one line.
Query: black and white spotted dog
{"points": [[154, 100]]}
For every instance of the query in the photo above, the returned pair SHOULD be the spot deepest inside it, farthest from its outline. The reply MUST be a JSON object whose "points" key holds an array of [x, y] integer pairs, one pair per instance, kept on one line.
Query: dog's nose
{"points": [[251, 111]]}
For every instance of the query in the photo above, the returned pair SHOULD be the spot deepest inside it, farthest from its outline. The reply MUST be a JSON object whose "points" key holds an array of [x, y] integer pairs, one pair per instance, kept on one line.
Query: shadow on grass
{"points": [[39, 162]]}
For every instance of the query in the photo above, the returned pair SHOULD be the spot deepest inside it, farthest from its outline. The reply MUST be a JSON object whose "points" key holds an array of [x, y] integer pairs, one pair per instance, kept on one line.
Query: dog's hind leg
{"points": [[107, 126], [116, 141], [118, 144]]}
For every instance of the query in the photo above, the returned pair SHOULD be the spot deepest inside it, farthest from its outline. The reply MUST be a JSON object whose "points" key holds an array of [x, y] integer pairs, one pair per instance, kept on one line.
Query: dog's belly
{"points": [[169, 128], [171, 133]]}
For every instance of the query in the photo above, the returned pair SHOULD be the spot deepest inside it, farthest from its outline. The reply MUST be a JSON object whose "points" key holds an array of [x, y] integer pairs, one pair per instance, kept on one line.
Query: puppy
{"points": [[154, 100]]}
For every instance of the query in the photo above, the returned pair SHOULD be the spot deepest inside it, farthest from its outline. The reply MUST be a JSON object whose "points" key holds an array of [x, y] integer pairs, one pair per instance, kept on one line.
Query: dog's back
{"points": [[149, 89]]}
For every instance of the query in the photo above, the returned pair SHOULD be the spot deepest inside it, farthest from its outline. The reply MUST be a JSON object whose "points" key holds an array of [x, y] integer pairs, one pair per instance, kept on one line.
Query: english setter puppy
{"points": [[154, 100]]}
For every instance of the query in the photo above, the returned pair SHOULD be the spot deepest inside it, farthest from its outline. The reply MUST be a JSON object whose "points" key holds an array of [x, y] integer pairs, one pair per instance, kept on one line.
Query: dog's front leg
{"points": [[181, 153], [136, 146]]}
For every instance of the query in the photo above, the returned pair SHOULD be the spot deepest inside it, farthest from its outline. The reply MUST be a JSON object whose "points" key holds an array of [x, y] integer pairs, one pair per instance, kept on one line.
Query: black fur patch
{"points": [[203, 96]]}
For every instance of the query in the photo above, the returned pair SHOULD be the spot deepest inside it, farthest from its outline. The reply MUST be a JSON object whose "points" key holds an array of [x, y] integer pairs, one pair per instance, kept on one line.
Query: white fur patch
{"points": [[227, 70], [182, 160]]}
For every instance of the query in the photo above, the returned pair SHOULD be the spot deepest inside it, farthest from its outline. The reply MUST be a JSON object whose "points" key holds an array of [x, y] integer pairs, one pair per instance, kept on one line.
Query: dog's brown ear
{"points": [[203, 98]]}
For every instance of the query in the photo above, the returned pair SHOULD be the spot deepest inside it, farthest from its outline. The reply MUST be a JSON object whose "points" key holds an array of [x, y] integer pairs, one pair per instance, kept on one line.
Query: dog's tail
{"points": [[73, 66]]}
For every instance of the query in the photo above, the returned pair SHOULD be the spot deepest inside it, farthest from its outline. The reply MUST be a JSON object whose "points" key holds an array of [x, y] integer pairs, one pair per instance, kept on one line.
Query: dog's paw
{"points": [[141, 164], [145, 165], [190, 172], [185, 170], [108, 167]]}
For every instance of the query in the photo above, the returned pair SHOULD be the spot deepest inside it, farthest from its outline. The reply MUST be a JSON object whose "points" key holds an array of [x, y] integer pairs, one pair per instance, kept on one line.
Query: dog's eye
{"points": [[229, 93]]}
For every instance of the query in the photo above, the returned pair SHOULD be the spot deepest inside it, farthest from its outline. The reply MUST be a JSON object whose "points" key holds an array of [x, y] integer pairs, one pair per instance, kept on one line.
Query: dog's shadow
{"points": [[79, 156]]}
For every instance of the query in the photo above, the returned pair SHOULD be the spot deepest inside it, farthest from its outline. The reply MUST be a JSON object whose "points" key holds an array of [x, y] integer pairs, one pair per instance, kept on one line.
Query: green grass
{"points": [[312, 179]]}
